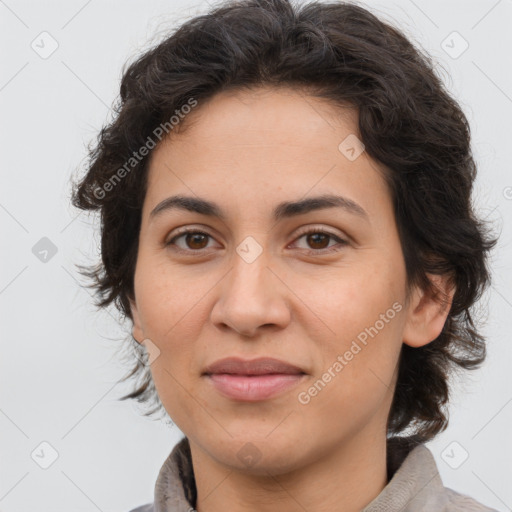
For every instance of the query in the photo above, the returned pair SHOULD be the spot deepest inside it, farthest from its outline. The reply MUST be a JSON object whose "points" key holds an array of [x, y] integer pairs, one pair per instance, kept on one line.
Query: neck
{"points": [[344, 479]]}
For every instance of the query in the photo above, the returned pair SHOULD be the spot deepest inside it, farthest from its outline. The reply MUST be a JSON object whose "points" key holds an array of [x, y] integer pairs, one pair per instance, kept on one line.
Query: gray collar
{"points": [[414, 483]]}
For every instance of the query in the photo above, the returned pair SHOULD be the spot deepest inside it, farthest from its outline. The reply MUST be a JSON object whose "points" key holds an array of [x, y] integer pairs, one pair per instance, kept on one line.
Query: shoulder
{"points": [[462, 502], [434, 495], [416, 485], [144, 508]]}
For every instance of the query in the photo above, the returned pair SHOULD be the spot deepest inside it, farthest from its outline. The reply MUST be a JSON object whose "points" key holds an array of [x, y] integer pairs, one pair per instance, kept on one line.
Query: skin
{"points": [[247, 152]]}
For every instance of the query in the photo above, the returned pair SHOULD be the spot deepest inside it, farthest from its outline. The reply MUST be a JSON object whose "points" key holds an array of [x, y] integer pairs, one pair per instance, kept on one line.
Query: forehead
{"points": [[269, 143], [259, 114]]}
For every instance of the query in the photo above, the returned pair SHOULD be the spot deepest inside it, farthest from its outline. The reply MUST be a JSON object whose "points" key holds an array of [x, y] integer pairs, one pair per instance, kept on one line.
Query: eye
{"points": [[194, 240], [319, 239]]}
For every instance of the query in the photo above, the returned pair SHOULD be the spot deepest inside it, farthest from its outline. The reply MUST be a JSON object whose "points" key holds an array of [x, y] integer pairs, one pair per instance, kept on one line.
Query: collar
{"points": [[414, 483]]}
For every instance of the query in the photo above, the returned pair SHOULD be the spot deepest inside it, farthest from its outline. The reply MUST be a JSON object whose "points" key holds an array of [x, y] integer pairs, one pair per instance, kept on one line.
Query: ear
{"points": [[137, 331], [427, 311]]}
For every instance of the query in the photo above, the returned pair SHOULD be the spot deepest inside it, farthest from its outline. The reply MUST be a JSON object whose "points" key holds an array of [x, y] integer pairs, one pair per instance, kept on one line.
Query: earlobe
{"points": [[427, 312], [137, 331]]}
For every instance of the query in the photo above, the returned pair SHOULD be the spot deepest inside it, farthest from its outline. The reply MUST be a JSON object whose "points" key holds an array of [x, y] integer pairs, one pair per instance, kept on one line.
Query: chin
{"points": [[258, 453]]}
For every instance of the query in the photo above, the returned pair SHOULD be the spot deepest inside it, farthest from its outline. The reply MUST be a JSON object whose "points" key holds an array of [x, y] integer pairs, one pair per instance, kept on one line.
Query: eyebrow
{"points": [[283, 210]]}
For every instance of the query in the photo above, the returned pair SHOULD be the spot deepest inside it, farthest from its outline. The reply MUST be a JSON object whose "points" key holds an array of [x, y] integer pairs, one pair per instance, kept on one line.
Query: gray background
{"points": [[58, 362]]}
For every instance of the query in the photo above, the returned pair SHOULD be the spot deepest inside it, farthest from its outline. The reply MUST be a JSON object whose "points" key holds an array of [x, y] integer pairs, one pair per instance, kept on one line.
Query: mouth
{"points": [[252, 381]]}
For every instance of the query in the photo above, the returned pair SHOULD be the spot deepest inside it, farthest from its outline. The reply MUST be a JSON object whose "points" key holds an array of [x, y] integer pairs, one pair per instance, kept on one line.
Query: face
{"points": [[322, 289]]}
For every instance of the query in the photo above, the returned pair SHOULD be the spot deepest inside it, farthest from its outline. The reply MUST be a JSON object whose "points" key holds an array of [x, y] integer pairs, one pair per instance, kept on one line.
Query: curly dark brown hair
{"points": [[407, 121]]}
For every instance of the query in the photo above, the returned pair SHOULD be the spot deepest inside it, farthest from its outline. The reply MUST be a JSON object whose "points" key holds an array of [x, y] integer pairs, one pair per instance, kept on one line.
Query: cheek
{"points": [[164, 299], [348, 301], [164, 319], [171, 316], [364, 314], [355, 382]]}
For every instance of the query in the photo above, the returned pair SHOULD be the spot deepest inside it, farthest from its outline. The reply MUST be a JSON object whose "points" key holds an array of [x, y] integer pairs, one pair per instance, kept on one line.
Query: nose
{"points": [[252, 296]]}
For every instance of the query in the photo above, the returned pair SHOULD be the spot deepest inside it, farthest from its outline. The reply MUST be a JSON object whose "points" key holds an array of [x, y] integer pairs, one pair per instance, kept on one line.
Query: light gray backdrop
{"points": [[59, 74]]}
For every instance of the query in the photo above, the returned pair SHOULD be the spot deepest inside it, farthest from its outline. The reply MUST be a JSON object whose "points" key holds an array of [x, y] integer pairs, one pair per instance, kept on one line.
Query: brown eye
{"points": [[190, 241], [196, 240], [319, 241]]}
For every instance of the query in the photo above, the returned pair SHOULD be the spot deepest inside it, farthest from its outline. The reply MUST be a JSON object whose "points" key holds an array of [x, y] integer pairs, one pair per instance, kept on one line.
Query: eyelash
{"points": [[308, 231]]}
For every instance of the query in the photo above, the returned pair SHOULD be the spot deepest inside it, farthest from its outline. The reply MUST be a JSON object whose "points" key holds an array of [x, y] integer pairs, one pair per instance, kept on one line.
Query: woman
{"points": [[285, 197]]}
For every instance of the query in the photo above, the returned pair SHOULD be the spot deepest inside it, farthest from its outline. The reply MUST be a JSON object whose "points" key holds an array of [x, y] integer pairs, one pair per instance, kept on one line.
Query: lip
{"points": [[253, 380], [259, 366]]}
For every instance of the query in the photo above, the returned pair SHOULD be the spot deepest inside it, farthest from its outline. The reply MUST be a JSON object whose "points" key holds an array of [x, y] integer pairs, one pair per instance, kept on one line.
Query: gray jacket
{"points": [[414, 484]]}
